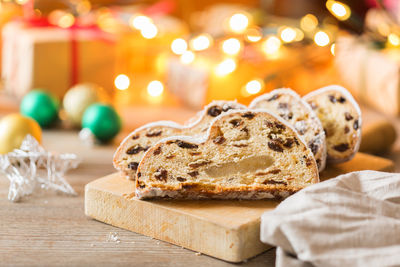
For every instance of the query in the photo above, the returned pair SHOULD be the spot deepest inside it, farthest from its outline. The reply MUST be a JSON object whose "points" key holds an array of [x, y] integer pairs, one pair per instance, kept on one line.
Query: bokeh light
{"points": [[333, 47], [238, 23], [231, 46], [187, 57], [288, 34], [253, 35], [225, 67], [139, 21], [254, 87], [201, 42], [309, 22], [179, 46], [271, 45], [340, 10], [122, 82], [155, 88], [149, 31], [321, 38], [394, 39]]}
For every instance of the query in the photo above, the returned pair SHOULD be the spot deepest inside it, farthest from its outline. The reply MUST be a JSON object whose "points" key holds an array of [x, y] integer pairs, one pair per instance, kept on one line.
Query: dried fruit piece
{"points": [[274, 182], [133, 165], [236, 122], [219, 140], [157, 151], [348, 116], [274, 97], [314, 147], [199, 163], [274, 171], [154, 133], [240, 145], [214, 111], [161, 174], [136, 149], [193, 173], [248, 115], [341, 147], [183, 144], [288, 143], [280, 126], [356, 125], [275, 146]]}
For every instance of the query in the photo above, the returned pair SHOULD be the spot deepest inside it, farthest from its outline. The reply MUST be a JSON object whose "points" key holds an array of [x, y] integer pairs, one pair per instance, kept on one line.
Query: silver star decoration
{"points": [[31, 168]]}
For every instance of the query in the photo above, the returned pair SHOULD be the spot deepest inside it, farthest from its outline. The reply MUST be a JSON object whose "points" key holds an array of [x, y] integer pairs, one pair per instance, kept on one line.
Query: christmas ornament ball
{"points": [[77, 99], [102, 120], [13, 130], [40, 106]]}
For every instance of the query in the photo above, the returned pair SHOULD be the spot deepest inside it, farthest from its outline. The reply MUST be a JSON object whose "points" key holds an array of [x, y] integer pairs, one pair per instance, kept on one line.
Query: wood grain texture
{"points": [[225, 229], [52, 230]]}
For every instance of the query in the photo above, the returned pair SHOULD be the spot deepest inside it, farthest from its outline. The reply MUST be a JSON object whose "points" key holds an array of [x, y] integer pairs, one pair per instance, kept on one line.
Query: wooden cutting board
{"points": [[228, 230]]}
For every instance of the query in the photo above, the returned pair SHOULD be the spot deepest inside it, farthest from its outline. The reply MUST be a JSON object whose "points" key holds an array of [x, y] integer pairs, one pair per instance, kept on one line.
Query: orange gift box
{"points": [[53, 58]]}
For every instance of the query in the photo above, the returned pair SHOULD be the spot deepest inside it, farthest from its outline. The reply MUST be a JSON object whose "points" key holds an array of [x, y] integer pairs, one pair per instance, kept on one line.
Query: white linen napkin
{"points": [[351, 220]]}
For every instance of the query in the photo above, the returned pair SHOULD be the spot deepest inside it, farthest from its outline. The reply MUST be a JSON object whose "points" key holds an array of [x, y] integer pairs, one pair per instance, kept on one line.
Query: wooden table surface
{"points": [[51, 229]]}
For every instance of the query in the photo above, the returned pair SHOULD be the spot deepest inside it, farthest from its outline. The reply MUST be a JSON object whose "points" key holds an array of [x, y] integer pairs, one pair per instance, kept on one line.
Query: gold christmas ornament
{"points": [[78, 98], [13, 130]]}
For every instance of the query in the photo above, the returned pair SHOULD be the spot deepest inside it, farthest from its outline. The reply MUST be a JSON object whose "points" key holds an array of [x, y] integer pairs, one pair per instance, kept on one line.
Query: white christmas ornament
{"points": [[31, 167]]}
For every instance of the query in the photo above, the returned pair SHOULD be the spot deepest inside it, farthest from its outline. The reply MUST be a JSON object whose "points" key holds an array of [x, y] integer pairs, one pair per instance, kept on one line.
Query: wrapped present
{"points": [[371, 74], [8, 11], [39, 55]]}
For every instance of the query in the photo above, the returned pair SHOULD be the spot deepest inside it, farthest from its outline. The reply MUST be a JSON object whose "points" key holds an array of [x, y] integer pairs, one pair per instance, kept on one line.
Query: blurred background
{"points": [[153, 60]]}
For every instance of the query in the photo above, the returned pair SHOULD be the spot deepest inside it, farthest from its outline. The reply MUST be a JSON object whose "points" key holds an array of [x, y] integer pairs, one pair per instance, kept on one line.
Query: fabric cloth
{"points": [[351, 220]]}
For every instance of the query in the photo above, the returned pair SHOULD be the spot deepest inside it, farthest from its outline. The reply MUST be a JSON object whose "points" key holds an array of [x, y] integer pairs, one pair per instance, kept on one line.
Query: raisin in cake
{"points": [[246, 154], [289, 105], [132, 148], [340, 116]]}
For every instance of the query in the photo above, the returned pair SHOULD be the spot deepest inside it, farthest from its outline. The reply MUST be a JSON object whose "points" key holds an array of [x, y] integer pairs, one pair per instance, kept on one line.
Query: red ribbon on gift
{"points": [[40, 22]]}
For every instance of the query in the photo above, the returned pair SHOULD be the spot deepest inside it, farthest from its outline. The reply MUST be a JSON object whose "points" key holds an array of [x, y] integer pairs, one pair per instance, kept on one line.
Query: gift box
{"points": [[38, 55], [8, 11], [371, 74]]}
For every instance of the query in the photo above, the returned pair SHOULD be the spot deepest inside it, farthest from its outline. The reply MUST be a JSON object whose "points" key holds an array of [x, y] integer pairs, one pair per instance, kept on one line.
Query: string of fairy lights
{"points": [[240, 31]]}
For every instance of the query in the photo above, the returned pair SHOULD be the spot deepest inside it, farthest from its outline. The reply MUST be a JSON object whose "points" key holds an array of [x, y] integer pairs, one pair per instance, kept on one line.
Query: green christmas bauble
{"points": [[102, 120], [40, 106]]}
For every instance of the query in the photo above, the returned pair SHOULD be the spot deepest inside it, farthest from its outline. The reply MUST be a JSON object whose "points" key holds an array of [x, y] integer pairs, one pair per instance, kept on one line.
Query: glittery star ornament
{"points": [[31, 168]]}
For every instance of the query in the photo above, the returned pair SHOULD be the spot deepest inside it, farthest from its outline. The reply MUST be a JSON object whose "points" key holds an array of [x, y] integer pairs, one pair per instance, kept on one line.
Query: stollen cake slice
{"points": [[132, 148], [288, 105], [246, 154], [340, 116]]}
